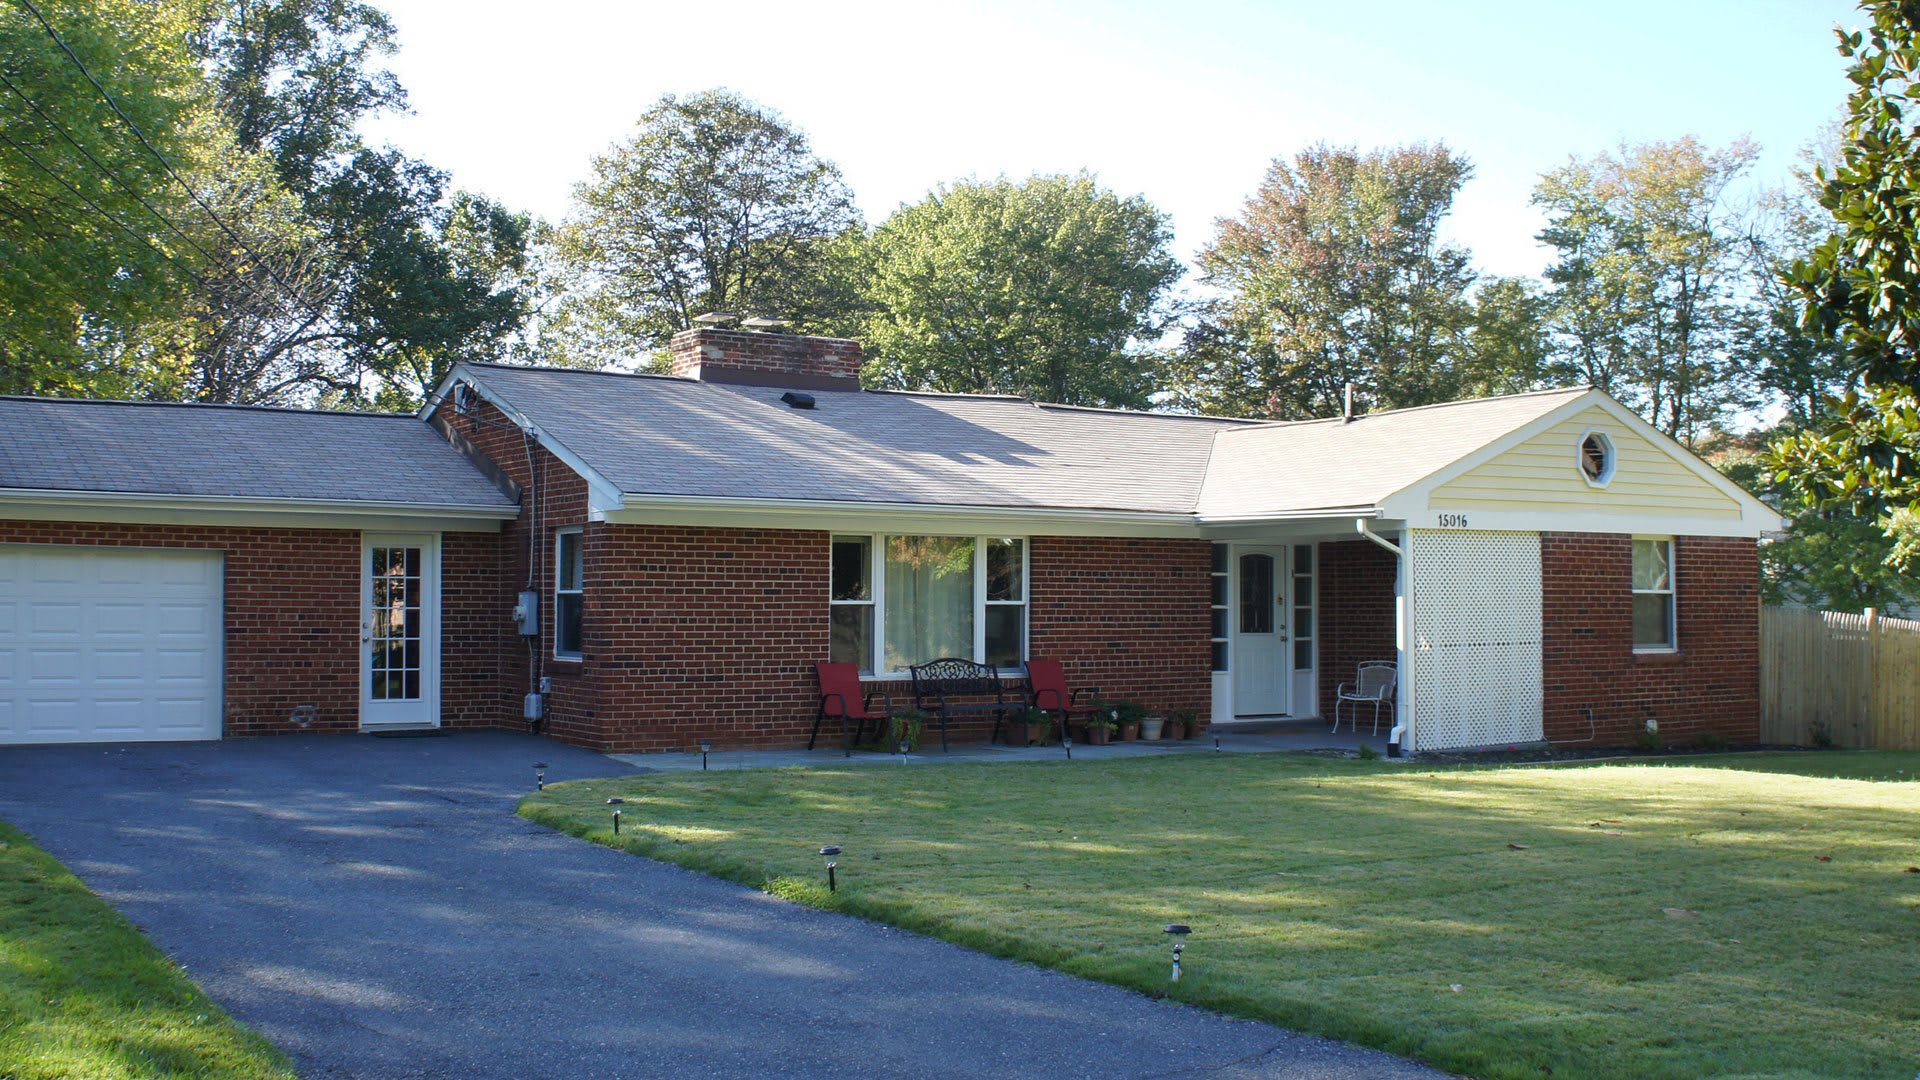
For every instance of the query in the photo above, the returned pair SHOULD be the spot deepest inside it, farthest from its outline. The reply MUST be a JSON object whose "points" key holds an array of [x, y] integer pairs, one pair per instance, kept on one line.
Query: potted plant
{"points": [[1098, 730], [1126, 717], [1151, 728], [905, 727], [1182, 725], [1026, 727]]}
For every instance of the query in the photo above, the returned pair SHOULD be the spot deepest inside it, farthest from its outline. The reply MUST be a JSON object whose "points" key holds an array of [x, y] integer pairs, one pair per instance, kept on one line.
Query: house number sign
{"points": [[1453, 521]]}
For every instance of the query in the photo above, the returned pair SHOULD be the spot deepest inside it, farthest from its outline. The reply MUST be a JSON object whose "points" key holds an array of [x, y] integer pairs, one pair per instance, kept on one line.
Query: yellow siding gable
{"points": [[1542, 474]]}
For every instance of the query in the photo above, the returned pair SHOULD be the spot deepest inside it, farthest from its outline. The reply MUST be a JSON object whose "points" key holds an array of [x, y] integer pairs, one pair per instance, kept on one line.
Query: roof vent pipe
{"points": [[1346, 417]]}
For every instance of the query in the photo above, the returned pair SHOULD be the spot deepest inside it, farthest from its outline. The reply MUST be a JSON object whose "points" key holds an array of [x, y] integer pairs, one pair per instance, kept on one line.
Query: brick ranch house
{"points": [[1541, 566]]}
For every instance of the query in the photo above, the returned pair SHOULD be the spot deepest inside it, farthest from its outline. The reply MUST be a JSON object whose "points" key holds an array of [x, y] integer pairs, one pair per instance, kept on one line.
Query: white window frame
{"points": [[877, 577], [873, 594], [1224, 578], [1580, 458], [1671, 592], [559, 568]]}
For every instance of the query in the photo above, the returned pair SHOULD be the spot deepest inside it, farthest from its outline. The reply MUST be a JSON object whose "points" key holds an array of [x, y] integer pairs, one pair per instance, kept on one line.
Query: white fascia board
{"points": [[1631, 523], [136, 508], [602, 495], [850, 516]]}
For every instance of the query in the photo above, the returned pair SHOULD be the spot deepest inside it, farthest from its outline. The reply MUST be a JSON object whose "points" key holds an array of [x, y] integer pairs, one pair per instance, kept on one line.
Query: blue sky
{"points": [[1183, 102]]}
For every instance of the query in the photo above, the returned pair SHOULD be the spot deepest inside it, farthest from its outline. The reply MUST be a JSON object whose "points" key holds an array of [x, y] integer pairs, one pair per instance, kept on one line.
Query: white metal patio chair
{"points": [[1374, 684]]}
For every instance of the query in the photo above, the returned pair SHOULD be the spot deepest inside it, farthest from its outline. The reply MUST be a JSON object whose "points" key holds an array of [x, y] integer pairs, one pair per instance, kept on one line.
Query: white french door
{"points": [[400, 631]]}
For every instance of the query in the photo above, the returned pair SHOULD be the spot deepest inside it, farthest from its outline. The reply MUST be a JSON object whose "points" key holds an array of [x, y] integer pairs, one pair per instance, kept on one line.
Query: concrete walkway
{"points": [[1258, 737], [375, 908]]}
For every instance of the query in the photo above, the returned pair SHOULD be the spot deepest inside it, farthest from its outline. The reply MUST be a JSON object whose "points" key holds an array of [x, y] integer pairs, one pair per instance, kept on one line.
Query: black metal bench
{"points": [[937, 683]]}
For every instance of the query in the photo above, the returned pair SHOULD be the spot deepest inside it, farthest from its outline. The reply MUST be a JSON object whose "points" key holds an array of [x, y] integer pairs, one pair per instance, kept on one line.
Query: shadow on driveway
{"points": [[375, 908]]}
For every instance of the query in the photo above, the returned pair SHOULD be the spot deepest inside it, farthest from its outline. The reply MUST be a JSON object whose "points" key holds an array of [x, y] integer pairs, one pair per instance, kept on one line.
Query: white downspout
{"points": [[1402, 628]]}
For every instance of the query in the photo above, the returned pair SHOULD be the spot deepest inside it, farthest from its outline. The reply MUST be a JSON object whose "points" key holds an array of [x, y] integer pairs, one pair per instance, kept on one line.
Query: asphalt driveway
{"points": [[375, 908]]}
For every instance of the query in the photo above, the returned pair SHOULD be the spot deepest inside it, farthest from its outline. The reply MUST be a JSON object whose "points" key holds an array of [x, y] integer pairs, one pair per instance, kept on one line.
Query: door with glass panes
{"points": [[400, 631], [1273, 654]]}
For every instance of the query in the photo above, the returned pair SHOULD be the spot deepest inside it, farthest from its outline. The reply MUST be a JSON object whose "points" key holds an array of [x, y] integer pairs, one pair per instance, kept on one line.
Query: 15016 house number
{"points": [[1453, 521]]}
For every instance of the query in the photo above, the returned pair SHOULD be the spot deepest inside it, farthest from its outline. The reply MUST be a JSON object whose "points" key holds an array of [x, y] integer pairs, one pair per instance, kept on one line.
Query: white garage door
{"points": [[108, 644]]}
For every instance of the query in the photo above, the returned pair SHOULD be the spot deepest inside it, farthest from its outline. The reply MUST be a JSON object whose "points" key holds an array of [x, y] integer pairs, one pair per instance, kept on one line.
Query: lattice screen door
{"points": [[1476, 636]]}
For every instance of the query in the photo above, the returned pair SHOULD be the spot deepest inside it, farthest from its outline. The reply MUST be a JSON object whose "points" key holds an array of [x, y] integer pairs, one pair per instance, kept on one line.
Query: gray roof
{"points": [[1325, 464], [666, 435], [663, 435], [390, 459]]}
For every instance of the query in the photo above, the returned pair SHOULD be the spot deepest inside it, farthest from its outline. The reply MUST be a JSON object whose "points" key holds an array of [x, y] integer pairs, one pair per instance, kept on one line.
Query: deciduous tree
{"points": [[1334, 273], [716, 203], [1052, 287]]}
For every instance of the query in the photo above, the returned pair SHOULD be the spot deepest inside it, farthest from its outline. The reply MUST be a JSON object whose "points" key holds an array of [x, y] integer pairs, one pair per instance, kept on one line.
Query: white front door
{"points": [[400, 631], [1262, 660]]}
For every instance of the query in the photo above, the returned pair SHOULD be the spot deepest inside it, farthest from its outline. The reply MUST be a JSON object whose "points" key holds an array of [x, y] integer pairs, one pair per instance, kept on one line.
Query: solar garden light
{"points": [[540, 775], [616, 804], [1066, 739], [706, 747], [1179, 931], [905, 745], [828, 853]]}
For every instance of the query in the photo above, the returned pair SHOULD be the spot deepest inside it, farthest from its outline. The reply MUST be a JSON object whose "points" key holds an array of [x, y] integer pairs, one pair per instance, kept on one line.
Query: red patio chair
{"points": [[840, 696], [1047, 691]]}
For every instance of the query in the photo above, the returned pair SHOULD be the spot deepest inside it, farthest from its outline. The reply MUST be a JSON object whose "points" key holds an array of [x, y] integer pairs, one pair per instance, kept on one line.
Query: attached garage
{"points": [[109, 644]]}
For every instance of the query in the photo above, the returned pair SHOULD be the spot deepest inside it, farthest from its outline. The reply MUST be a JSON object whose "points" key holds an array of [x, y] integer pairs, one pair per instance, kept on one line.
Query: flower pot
{"points": [[1129, 730], [1150, 728], [1016, 733], [1176, 729], [1097, 735]]}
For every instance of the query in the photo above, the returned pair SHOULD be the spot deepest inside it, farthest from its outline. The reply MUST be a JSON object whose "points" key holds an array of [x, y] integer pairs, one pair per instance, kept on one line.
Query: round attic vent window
{"points": [[1596, 458]]}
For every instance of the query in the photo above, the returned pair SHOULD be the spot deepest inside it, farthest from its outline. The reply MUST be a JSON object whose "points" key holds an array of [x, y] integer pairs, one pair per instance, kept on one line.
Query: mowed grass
{"points": [[84, 995], [1496, 922]]}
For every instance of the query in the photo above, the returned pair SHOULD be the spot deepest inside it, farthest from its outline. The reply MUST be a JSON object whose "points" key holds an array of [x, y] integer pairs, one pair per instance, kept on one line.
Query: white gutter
{"points": [[1396, 737], [140, 500]]}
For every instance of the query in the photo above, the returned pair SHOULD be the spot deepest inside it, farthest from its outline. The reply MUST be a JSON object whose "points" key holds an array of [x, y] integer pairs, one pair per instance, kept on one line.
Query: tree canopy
{"points": [[1334, 273], [1051, 287], [1862, 283], [714, 204]]}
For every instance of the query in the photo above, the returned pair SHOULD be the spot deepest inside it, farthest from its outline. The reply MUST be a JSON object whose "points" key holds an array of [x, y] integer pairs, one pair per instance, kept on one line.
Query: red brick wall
{"points": [[1128, 616], [1356, 612], [293, 617], [561, 503], [1710, 685]]}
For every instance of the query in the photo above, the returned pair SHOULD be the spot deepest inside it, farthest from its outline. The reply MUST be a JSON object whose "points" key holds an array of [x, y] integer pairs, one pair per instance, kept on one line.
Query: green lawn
{"points": [[1730, 916], [84, 995]]}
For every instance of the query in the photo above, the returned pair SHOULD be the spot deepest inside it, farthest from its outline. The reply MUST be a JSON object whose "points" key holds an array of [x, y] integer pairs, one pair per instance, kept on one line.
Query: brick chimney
{"points": [[762, 358]]}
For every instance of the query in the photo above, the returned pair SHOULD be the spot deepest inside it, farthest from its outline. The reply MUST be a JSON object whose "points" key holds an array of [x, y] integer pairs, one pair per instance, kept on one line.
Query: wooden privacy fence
{"points": [[1830, 676]]}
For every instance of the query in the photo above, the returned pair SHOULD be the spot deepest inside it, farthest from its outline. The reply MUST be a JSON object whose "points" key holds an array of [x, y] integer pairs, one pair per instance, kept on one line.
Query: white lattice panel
{"points": [[1476, 636]]}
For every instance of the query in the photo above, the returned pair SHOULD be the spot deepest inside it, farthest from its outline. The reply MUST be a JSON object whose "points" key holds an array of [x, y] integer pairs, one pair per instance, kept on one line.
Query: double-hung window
{"points": [[1653, 604], [900, 600], [569, 590]]}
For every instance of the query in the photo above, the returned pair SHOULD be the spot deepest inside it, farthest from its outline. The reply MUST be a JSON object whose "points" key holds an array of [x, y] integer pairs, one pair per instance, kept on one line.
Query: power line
{"points": [[98, 209], [104, 170], [266, 265]]}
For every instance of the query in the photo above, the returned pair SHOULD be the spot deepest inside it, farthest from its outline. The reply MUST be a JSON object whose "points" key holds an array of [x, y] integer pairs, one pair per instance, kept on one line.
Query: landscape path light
{"points": [[706, 747], [1179, 931], [616, 803], [540, 775], [905, 745], [828, 853]]}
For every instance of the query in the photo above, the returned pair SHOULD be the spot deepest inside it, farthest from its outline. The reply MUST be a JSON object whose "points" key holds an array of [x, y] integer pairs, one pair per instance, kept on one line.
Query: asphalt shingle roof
{"points": [[659, 435], [241, 452], [1325, 464]]}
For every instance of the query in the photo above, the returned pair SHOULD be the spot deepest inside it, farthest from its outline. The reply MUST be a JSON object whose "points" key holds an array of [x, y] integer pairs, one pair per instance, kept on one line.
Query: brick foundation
{"points": [[1710, 685]]}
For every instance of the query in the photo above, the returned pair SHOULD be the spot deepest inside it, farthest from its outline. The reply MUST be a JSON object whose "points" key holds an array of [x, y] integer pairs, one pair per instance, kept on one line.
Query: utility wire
{"points": [[98, 209], [266, 265], [104, 170]]}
